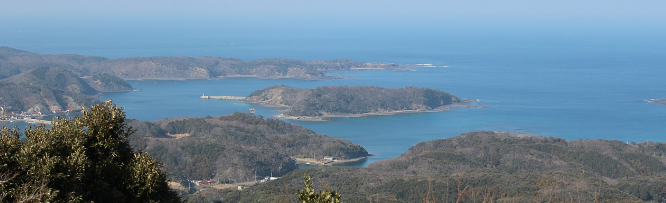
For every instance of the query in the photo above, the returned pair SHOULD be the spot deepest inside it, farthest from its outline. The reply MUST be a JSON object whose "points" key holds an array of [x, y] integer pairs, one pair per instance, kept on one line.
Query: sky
{"points": [[28, 21], [335, 13]]}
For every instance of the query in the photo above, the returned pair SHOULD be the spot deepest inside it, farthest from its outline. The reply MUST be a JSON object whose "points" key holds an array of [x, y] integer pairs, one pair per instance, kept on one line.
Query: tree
{"points": [[309, 195], [82, 159]]}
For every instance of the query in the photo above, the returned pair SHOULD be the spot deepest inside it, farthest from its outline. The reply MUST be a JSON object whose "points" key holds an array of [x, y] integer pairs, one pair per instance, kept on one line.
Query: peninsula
{"points": [[495, 167], [44, 83], [239, 147], [350, 101]]}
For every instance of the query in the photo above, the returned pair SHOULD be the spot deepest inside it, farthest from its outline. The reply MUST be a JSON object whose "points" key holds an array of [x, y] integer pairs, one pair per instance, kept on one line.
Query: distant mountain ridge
{"points": [[15, 61]]}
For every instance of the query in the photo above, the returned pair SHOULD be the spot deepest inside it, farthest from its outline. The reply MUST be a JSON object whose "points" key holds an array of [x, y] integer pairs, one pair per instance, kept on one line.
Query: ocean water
{"points": [[579, 85]]}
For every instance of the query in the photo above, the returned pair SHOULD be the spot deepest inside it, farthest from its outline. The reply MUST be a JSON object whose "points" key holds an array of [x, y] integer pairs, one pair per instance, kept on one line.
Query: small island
{"points": [[350, 101]]}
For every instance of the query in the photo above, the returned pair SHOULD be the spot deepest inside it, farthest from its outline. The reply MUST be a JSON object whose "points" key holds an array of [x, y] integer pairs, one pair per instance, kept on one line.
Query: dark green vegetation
{"points": [[83, 159], [234, 148], [346, 100], [490, 167], [309, 195], [68, 81]]}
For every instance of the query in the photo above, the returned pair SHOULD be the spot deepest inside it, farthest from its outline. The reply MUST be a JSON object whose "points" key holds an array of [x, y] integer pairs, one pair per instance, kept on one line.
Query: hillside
{"points": [[346, 101], [106, 82], [48, 89], [237, 148], [491, 167], [45, 90]]}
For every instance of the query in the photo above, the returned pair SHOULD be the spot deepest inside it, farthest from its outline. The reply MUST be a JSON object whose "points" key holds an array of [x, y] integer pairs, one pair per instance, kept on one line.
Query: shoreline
{"points": [[321, 162], [389, 113], [29, 121]]}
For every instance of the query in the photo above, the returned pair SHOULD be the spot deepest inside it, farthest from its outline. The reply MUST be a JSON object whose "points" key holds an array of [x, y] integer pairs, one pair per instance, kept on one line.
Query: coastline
{"points": [[465, 104], [30, 121], [322, 162]]}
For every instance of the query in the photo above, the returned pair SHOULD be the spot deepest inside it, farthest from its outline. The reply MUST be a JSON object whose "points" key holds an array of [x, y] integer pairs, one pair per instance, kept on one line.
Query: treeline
{"points": [[491, 167], [343, 100], [234, 148]]}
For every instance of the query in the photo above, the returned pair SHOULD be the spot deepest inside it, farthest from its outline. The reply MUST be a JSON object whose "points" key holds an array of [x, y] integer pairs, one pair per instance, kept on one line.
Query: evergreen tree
{"points": [[82, 159], [309, 195]]}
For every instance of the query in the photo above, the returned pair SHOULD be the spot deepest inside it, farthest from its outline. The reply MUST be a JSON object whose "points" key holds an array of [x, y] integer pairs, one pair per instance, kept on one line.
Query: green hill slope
{"points": [[238, 147], [491, 167]]}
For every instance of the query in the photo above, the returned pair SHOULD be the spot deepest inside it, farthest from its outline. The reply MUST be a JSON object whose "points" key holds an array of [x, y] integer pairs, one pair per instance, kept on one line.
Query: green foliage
{"points": [[237, 147], [82, 159], [309, 195], [497, 167]]}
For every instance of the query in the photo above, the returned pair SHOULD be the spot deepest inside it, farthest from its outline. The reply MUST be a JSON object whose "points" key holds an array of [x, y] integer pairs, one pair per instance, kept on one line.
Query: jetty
{"points": [[230, 98]]}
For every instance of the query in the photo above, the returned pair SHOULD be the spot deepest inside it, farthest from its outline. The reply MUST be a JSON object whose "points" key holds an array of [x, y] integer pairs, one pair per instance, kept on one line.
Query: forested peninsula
{"points": [[45, 83], [489, 167], [234, 148], [352, 101]]}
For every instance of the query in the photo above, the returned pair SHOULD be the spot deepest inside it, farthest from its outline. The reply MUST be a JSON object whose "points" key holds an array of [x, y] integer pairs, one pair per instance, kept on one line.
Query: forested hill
{"points": [[493, 167], [238, 147], [48, 89], [351, 100], [14, 61]]}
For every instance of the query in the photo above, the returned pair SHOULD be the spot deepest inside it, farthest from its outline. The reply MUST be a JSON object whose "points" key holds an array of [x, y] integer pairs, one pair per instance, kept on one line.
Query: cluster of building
{"points": [[13, 116]]}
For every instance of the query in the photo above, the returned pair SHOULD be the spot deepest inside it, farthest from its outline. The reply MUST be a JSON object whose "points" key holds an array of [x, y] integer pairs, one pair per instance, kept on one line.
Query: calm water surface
{"points": [[591, 84]]}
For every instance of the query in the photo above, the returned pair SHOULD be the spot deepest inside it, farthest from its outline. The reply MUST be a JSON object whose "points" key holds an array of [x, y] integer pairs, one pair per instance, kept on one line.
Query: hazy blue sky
{"points": [[73, 26], [331, 11]]}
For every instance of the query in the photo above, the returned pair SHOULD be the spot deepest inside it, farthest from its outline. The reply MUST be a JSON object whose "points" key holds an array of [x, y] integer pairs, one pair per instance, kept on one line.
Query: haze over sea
{"points": [[571, 79]]}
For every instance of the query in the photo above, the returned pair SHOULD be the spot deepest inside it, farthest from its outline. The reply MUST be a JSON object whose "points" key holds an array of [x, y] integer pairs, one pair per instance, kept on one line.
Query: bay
{"points": [[590, 84], [565, 105]]}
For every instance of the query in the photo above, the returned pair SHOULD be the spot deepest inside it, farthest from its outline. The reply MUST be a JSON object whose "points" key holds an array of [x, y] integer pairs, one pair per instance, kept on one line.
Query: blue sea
{"points": [[573, 83]]}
